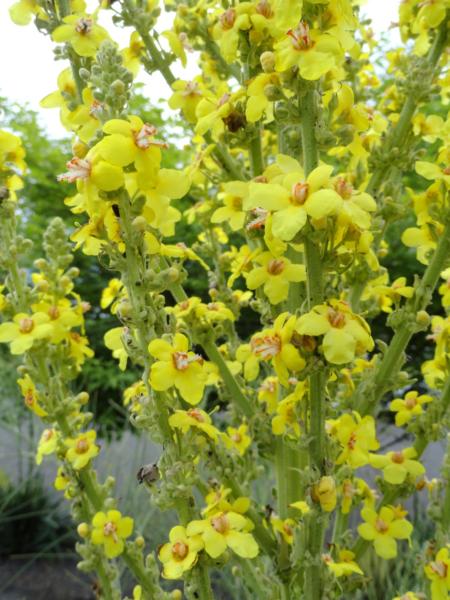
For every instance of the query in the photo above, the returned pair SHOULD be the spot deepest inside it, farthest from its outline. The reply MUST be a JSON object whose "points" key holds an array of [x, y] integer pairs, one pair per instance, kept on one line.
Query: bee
{"points": [[148, 474]]}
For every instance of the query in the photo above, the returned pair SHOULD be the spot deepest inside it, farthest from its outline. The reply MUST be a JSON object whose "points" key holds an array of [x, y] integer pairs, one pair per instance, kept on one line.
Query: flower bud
{"points": [[83, 397], [118, 87], [139, 223], [40, 264], [79, 148], [83, 530], [324, 492], [140, 542], [423, 318], [267, 60], [176, 594], [272, 92]]}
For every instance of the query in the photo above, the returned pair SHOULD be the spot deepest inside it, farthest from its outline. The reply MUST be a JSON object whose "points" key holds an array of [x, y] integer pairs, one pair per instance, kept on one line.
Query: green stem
{"points": [[106, 589], [136, 566], [315, 528], [393, 357], [281, 468], [255, 153], [236, 393], [420, 446], [402, 128]]}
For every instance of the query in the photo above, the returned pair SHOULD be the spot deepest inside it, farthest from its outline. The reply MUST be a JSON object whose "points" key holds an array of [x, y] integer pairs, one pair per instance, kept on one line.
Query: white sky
{"points": [[28, 71]]}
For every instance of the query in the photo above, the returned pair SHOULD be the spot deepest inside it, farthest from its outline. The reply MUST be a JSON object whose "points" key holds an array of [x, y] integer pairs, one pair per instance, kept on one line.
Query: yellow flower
{"points": [[346, 565], [268, 393], [284, 526], [114, 341], [31, 395], [194, 417], [213, 110], [345, 333], [408, 407], [134, 394], [275, 273], [91, 173], [62, 482], [81, 449], [423, 238], [110, 293], [273, 344], [356, 206], [237, 439], [356, 437], [132, 141], [257, 101], [63, 316], [444, 289], [438, 572], [228, 27], [286, 420], [313, 53], [82, 32], [222, 530], [24, 330], [186, 96], [79, 348], [383, 529], [110, 530], [214, 312], [181, 553], [398, 465], [22, 12], [132, 54], [216, 502], [178, 367], [47, 444], [233, 195], [293, 198], [324, 492]]}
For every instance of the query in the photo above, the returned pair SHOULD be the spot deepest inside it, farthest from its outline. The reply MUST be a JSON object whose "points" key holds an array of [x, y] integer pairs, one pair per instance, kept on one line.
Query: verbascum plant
{"points": [[299, 151]]}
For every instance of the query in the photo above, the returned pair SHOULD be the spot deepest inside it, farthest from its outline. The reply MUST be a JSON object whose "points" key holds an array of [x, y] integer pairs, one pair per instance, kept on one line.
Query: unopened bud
{"points": [[139, 223], [118, 87], [40, 264], [140, 542], [83, 530], [176, 594], [79, 148], [267, 60], [173, 274], [42, 285], [272, 92], [423, 318], [83, 397]]}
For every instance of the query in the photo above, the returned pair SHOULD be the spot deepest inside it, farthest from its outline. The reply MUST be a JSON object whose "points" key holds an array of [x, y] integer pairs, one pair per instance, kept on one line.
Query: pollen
{"points": [[381, 526], [267, 346], [301, 39], [275, 266], [220, 523], [398, 458], [84, 26], [228, 18], [53, 313], [299, 193], [196, 414], [336, 318], [81, 446], [26, 325], [180, 550]]}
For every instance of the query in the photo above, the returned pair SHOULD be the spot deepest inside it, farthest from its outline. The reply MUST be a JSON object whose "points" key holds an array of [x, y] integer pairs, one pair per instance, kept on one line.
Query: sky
{"points": [[28, 72]]}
